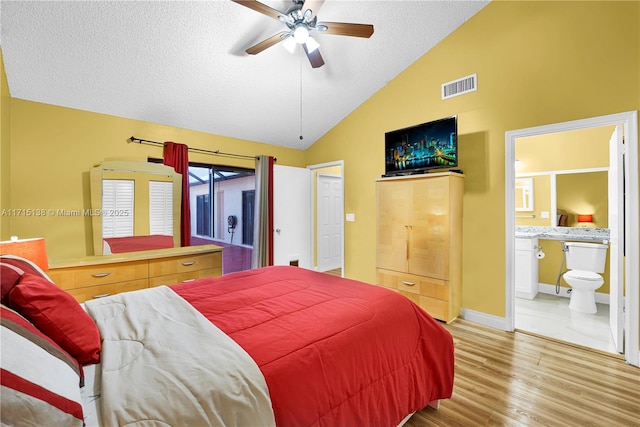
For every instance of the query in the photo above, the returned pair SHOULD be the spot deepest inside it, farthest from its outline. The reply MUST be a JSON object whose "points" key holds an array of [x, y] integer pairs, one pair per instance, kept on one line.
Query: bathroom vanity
{"points": [[527, 247], [526, 271]]}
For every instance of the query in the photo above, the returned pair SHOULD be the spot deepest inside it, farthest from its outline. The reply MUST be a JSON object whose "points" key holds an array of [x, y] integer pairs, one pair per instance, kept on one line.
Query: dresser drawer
{"points": [[172, 279], [94, 275], [184, 264], [436, 308], [93, 292], [411, 283]]}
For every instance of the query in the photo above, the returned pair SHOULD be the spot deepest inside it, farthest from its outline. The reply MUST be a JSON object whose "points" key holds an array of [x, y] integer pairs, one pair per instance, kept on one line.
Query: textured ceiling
{"points": [[182, 63]]}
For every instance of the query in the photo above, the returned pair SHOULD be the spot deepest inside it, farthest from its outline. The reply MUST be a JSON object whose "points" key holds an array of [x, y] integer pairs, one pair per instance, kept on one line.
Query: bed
{"points": [[278, 346], [118, 245]]}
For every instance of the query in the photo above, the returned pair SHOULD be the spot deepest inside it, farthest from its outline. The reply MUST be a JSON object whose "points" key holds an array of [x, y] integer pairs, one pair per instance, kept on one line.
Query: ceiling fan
{"points": [[301, 20]]}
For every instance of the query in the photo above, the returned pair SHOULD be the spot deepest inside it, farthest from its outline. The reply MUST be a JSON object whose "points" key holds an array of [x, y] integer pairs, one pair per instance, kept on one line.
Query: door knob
{"points": [[278, 230]]}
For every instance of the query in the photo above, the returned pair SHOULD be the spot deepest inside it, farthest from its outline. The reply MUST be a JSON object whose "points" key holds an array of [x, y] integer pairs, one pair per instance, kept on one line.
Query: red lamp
{"points": [[585, 218], [32, 249]]}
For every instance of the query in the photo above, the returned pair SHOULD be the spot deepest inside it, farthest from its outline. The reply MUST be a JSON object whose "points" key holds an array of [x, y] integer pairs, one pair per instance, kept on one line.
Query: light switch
{"points": [[544, 214], [351, 217]]}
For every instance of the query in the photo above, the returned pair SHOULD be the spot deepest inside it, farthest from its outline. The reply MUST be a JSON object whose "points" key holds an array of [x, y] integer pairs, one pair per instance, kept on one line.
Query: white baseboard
{"points": [[484, 319], [501, 322], [601, 298]]}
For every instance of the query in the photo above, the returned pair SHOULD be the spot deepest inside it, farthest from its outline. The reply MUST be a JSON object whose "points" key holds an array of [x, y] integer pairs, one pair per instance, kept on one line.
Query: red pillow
{"points": [[23, 264], [58, 315], [9, 277]]}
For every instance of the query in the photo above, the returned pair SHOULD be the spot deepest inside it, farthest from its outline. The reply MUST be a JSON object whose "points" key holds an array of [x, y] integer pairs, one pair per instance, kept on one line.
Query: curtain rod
{"points": [[197, 150]]}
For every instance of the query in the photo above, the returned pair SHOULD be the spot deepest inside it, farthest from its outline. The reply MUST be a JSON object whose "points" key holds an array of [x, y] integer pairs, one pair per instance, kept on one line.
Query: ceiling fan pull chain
{"points": [[301, 99]]}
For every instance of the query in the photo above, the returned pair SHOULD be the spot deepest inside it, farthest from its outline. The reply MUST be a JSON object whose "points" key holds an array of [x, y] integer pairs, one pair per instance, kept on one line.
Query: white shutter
{"points": [[117, 208], [161, 208]]}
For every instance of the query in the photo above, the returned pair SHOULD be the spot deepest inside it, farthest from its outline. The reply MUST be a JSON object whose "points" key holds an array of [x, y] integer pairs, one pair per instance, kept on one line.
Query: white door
{"points": [[291, 216], [329, 222], [616, 219]]}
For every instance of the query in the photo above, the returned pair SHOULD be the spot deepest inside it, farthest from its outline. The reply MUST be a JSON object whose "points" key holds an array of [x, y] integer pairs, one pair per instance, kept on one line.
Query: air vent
{"points": [[460, 86]]}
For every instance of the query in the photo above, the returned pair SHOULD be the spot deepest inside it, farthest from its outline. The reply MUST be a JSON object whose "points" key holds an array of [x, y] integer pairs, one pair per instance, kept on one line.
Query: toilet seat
{"points": [[583, 275], [583, 286]]}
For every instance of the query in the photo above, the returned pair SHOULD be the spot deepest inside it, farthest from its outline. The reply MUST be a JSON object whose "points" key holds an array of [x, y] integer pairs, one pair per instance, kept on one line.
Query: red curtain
{"points": [[177, 156], [270, 204]]}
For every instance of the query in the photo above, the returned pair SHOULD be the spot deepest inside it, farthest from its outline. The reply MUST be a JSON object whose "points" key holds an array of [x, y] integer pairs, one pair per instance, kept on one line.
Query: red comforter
{"points": [[119, 245], [334, 352]]}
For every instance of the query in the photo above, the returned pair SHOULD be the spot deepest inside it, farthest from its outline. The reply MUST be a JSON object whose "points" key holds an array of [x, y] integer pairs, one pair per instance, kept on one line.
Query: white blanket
{"points": [[163, 363]]}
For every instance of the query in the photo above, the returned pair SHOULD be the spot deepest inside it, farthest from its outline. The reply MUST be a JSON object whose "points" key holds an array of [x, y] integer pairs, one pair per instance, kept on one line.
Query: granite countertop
{"points": [[575, 234]]}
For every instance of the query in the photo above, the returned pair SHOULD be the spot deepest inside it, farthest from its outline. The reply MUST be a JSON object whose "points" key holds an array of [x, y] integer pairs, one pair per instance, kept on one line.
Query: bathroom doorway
{"points": [[624, 324]]}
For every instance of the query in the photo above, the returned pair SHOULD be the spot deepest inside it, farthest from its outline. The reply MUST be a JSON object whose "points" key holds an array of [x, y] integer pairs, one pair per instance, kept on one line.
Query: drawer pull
{"points": [[101, 295], [101, 274], [188, 263], [188, 280], [404, 282]]}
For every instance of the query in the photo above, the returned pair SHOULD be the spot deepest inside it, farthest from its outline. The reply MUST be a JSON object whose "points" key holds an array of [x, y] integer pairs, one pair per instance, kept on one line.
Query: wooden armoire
{"points": [[419, 240]]}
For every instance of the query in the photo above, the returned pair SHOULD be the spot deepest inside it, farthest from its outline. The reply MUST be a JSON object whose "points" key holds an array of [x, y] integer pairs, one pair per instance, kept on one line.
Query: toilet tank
{"points": [[586, 256]]}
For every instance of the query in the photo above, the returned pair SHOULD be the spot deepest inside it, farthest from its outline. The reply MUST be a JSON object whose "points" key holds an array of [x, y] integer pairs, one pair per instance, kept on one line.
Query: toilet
{"points": [[584, 261]]}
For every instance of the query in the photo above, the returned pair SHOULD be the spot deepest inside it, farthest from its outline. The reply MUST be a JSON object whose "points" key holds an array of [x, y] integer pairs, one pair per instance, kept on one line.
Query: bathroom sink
{"points": [[563, 233]]}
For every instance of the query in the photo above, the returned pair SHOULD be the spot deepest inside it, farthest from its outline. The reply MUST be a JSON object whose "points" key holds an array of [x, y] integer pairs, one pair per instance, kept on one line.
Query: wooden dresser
{"points": [[419, 240], [103, 275]]}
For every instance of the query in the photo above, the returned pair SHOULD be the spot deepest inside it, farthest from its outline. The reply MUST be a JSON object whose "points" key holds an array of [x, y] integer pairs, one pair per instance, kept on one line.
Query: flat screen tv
{"points": [[421, 148]]}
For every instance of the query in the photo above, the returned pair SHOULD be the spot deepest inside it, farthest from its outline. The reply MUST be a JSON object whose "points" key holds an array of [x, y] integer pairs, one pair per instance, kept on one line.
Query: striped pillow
{"points": [[40, 381], [12, 267]]}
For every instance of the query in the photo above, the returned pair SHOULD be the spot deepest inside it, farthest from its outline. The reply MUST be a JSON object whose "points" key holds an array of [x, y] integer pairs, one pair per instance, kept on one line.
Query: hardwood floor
{"points": [[335, 272], [516, 379]]}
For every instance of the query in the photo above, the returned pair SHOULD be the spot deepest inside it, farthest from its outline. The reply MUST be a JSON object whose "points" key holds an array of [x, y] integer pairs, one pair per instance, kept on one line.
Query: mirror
{"points": [[135, 206], [524, 194]]}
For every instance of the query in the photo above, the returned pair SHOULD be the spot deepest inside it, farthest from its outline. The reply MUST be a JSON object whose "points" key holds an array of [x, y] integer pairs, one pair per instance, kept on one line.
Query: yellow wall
{"points": [[583, 194], [537, 63], [5, 150], [53, 148], [561, 151]]}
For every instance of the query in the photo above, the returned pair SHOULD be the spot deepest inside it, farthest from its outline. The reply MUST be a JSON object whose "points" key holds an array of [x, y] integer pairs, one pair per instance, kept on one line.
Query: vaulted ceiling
{"points": [[183, 63]]}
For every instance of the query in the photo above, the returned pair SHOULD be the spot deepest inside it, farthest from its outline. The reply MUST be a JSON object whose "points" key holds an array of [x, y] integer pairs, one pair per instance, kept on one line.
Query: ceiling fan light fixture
{"points": [[301, 34], [290, 44], [307, 14], [300, 22]]}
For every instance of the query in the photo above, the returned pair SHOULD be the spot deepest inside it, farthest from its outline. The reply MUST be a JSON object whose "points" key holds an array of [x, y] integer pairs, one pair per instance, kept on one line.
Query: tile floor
{"points": [[549, 315]]}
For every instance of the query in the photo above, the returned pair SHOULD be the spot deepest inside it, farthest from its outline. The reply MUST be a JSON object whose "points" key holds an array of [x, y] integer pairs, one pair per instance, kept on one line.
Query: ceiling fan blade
{"points": [[314, 5], [314, 57], [346, 29], [259, 7], [267, 43]]}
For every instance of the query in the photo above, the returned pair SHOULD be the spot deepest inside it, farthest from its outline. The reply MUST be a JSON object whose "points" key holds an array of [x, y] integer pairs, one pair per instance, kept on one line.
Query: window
{"points": [[203, 215], [215, 193], [117, 196], [161, 208]]}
